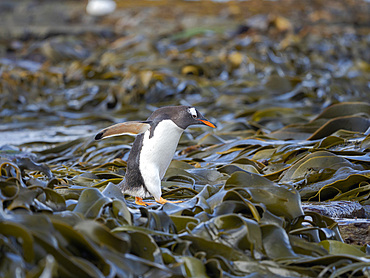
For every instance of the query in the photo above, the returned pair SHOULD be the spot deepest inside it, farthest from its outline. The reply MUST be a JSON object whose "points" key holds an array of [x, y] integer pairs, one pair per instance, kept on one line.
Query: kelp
{"points": [[249, 219], [289, 94]]}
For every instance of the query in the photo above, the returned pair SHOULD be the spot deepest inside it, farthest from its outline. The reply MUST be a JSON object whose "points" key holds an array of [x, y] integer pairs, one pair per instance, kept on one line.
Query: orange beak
{"points": [[206, 122]]}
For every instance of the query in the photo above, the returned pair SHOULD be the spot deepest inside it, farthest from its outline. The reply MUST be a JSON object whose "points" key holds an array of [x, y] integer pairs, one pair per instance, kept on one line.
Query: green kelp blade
{"points": [[23, 235], [194, 267], [91, 203], [344, 109], [279, 199], [103, 236], [231, 230], [339, 248], [276, 242]]}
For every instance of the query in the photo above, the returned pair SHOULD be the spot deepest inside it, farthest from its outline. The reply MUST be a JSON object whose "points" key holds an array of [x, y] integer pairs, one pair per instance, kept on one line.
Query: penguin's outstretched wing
{"points": [[126, 128]]}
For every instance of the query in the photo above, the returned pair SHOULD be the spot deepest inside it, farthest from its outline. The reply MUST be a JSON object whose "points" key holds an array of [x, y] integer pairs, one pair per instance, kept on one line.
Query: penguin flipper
{"points": [[126, 128]]}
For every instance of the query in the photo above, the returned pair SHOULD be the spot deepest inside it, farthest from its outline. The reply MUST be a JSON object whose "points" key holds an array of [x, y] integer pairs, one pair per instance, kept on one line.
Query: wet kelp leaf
{"points": [[128, 265], [351, 123], [229, 169], [9, 169], [316, 161], [80, 246], [351, 116], [232, 230], [156, 220], [47, 267], [26, 199], [121, 212], [61, 48], [339, 248], [195, 244], [102, 236], [95, 204], [331, 180], [182, 222], [51, 199], [268, 269], [338, 186], [194, 267], [9, 189], [45, 239], [91, 203], [329, 142], [23, 236], [276, 242], [144, 246], [280, 200], [345, 109], [68, 266]]}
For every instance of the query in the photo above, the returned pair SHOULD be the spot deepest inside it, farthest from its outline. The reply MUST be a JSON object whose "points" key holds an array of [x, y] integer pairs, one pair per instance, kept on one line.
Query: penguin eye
{"points": [[193, 112]]}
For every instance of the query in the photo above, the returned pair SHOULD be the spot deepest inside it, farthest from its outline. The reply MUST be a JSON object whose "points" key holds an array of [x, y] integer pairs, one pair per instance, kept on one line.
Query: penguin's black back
{"points": [[133, 178]]}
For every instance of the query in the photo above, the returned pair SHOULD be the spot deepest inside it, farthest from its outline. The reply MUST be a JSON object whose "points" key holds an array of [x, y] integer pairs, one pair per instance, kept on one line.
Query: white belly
{"points": [[157, 153]]}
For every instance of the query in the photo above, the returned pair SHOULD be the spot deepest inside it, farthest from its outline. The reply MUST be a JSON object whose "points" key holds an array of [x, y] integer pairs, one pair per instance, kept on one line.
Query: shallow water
{"points": [[47, 135]]}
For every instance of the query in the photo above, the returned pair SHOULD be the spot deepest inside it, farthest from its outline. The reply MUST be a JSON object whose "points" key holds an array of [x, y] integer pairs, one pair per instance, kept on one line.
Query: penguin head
{"points": [[196, 118], [183, 116]]}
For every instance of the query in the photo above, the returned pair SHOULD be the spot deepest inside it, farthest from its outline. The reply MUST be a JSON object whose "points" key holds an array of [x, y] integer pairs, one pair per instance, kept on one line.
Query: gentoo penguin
{"points": [[153, 148]]}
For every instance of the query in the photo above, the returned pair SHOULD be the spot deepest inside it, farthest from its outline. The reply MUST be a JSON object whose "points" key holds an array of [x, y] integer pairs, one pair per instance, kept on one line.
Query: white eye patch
{"points": [[193, 112]]}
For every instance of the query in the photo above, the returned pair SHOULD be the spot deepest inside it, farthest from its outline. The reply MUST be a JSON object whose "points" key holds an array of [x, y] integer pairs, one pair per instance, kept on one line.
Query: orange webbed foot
{"points": [[163, 201], [139, 201]]}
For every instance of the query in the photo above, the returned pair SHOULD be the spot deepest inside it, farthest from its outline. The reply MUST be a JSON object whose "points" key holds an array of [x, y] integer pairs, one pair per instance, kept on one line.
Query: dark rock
{"points": [[337, 209]]}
